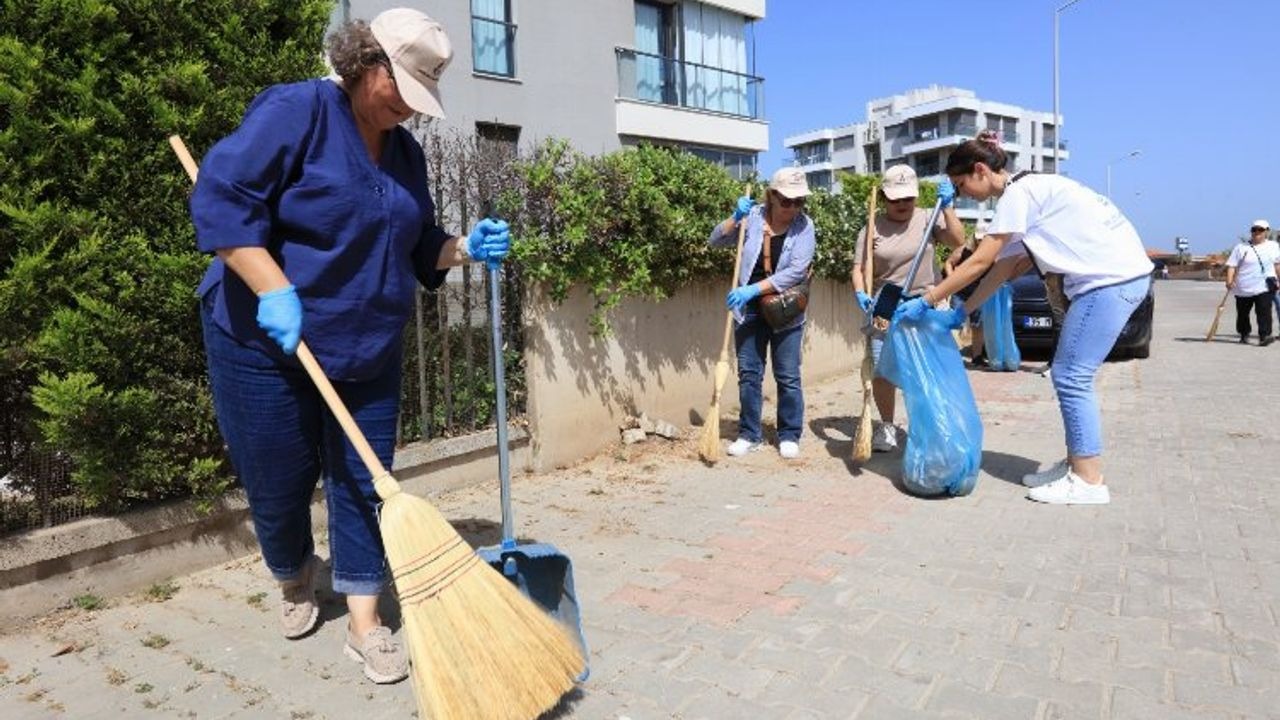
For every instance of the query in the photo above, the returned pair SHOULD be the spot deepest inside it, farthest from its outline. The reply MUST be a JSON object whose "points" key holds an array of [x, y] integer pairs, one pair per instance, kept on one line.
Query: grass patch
{"points": [[115, 676], [256, 599], [141, 688], [88, 601], [154, 641], [163, 591]]}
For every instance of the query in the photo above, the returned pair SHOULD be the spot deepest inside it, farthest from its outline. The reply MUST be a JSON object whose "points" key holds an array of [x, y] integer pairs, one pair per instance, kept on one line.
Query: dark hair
{"points": [[985, 149], [353, 50]]}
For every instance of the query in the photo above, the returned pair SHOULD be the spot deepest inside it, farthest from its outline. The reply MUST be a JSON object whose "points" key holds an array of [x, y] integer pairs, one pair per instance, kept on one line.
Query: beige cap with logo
{"points": [[789, 182], [900, 182], [419, 51]]}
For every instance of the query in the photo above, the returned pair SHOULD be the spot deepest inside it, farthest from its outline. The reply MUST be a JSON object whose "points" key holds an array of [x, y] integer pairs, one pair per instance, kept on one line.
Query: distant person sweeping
{"points": [[1063, 227], [319, 212], [1252, 269], [777, 255]]}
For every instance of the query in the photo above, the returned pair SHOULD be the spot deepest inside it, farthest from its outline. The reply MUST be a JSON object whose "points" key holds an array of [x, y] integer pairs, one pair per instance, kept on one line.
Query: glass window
{"points": [[493, 37]]}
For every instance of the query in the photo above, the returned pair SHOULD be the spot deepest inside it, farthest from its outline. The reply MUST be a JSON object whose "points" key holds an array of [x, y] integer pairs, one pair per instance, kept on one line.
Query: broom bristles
{"points": [[862, 439], [481, 650], [709, 447]]}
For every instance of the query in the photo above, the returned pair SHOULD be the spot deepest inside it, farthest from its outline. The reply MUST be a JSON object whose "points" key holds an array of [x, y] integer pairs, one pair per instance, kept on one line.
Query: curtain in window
{"points": [[715, 43], [648, 66], [490, 52]]}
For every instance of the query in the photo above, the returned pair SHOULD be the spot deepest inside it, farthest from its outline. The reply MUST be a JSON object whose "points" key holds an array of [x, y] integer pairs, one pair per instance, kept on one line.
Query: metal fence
{"points": [[447, 389]]}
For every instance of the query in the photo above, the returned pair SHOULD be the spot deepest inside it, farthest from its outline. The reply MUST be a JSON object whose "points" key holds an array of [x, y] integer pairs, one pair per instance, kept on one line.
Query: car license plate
{"points": [[1037, 322]]}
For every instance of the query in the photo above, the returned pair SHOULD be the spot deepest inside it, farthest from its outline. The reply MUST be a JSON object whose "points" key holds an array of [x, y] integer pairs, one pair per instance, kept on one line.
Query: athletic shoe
{"points": [[885, 438], [1266, 341], [789, 449], [1070, 490], [742, 446], [1046, 476]]}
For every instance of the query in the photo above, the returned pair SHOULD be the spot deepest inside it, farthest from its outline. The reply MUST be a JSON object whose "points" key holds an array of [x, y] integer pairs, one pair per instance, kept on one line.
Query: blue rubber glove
{"points": [[743, 208], [740, 296], [864, 301], [911, 311], [956, 316], [946, 192], [280, 315], [489, 241]]}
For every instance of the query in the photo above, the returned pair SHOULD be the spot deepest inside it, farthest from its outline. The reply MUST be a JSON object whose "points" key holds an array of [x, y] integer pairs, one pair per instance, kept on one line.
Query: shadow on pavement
{"points": [[1228, 339], [1006, 467]]}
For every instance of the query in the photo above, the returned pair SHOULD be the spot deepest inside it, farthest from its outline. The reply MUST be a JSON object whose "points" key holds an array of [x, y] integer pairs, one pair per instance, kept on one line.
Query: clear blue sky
{"points": [[1190, 84]]}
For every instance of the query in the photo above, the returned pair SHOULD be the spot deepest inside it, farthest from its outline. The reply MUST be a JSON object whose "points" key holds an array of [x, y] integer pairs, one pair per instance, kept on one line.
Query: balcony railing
{"points": [[1062, 145], [654, 78], [966, 130]]}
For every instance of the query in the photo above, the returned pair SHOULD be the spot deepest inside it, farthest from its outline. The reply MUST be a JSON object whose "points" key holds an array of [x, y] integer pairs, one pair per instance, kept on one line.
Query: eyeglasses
{"points": [[787, 202], [1255, 228]]}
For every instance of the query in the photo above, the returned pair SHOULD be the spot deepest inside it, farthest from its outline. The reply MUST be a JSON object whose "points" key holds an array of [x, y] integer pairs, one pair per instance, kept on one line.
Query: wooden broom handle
{"points": [[733, 283], [336, 406]]}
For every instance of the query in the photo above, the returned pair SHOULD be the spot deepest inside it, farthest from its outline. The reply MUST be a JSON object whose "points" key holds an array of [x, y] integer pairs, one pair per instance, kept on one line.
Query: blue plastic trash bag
{"points": [[997, 330], [944, 435]]}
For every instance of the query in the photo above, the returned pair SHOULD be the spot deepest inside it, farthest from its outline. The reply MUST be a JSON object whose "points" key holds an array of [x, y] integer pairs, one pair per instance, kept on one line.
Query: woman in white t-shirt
{"points": [[1064, 227], [1248, 268]]}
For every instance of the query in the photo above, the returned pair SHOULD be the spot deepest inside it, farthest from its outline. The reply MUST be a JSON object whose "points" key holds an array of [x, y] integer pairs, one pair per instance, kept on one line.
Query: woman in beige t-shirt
{"points": [[897, 236]]}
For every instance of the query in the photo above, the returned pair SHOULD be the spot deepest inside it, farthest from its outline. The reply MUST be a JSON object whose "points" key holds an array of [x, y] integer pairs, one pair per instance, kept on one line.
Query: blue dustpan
{"points": [[543, 573]]}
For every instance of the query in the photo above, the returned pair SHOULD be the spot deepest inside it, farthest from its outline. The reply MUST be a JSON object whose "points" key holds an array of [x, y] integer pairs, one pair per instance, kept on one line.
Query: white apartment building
{"points": [[602, 74], [920, 127]]}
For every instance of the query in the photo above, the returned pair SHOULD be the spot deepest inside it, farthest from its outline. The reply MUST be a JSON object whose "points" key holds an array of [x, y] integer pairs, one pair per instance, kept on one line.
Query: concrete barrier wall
{"points": [[659, 359]]}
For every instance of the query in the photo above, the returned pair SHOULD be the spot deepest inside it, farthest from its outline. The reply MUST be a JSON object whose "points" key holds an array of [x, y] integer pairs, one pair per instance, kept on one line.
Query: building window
{"points": [[503, 140], [815, 152], [493, 38], [740, 165], [927, 165], [819, 180], [873, 158]]}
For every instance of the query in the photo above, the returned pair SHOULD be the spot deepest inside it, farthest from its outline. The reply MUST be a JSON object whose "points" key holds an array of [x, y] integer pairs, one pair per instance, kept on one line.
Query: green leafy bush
{"points": [[99, 332]]}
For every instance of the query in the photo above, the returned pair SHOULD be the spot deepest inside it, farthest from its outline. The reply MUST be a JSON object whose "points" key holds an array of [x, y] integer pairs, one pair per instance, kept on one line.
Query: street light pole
{"points": [[1057, 117], [1126, 156]]}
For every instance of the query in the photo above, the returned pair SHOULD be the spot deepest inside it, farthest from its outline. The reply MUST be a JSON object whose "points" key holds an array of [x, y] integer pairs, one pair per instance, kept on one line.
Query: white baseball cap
{"points": [[789, 182], [419, 51], [900, 182], [1262, 224]]}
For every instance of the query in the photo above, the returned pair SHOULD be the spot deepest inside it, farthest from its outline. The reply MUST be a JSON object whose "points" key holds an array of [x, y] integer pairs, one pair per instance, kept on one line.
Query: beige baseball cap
{"points": [[789, 182], [900, 182], [419, 51]]}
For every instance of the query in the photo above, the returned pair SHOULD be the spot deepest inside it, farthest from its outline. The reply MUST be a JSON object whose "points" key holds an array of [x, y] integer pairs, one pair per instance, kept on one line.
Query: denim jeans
{"points": [[1092, 324], [754, 339], [282, 439]]}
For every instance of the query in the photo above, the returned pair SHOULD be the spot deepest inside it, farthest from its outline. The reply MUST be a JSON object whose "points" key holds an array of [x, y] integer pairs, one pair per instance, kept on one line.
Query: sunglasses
{"points": [[901, 200], [1255, 228], [787, 202]]}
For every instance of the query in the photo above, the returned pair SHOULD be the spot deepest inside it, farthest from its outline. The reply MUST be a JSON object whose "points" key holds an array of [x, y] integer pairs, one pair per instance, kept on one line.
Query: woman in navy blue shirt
{"points": [[319, 213]]}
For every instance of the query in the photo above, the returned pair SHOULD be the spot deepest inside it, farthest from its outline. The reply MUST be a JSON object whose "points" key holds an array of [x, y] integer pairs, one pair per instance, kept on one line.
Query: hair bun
{"points": [[990, 137]]}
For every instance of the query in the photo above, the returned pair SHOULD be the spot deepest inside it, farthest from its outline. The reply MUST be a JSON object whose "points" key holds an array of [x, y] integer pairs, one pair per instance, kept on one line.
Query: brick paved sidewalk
{"points": [[813, 589]]}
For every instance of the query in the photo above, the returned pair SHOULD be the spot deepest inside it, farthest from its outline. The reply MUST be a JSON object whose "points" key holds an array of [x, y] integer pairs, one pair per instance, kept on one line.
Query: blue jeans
{"points": [[1089, 331], [282, 438], [754, 339]]}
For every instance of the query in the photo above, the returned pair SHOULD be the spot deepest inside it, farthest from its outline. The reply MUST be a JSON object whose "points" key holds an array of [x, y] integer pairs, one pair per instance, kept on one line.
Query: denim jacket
{"points": [[791, 266]]}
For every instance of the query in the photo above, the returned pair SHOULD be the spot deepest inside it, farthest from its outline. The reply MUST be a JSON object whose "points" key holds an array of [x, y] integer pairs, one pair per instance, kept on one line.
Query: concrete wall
{"points": [[659, 360]]}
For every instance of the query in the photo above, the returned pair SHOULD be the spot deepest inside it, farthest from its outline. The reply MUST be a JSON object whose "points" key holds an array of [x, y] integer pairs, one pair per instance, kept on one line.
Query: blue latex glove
{"points": [[740, 296], [946, 192], [864, 301], [743, 208], [280, 315], [956, 316], [489, 241], [911, 311]]}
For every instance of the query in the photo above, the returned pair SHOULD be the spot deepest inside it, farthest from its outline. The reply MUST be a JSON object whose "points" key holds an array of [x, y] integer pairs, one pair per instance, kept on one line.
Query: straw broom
{"points": [[862, 439], [481, 650], [709, 446], [1213, 329]]}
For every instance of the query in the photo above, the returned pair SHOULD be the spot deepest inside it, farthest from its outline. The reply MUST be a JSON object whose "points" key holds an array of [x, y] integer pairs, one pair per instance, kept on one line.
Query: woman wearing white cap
{"points": [[777, 253], [318, 210], [1252, 269], [1063, 227], [897, 235]]}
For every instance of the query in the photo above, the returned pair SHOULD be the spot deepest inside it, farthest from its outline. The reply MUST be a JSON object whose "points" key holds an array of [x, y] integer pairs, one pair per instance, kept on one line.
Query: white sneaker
{"points": [[1070, 490], [789, 449], [741, 447], [1044, 477], [885, 437]]}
